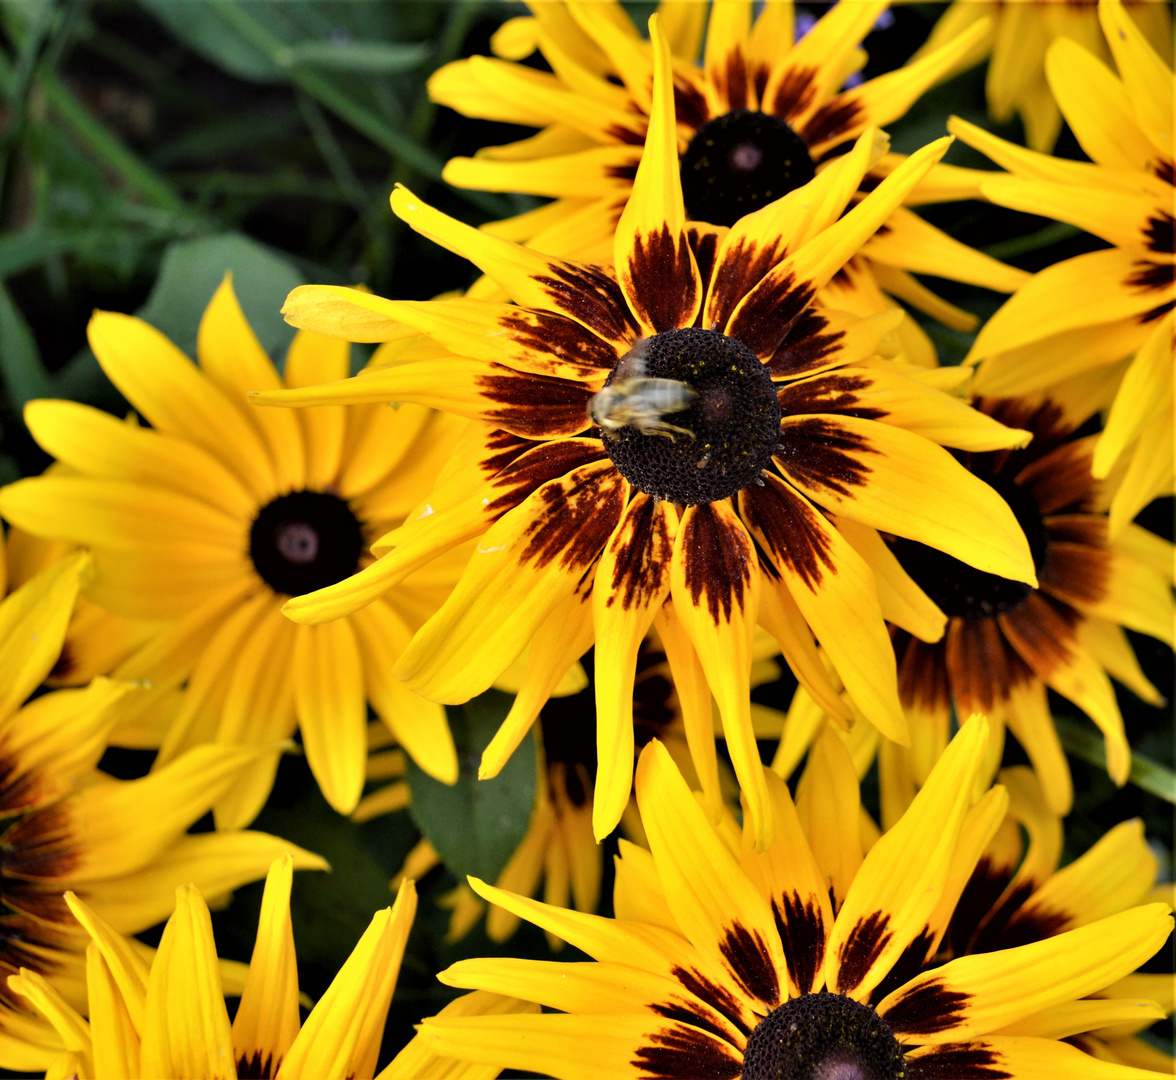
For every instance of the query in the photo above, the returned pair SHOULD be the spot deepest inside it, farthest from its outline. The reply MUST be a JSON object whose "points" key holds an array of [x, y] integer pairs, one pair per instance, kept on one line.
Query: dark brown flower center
{"points": [[705, 442], [823, 1037], [304, 541], [741, 161], [962, 591]]}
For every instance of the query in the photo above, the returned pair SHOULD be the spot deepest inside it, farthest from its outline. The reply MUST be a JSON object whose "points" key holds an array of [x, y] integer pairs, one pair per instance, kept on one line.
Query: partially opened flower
{"points": [[653, 449], [1017, 41], [167, 1017], [119, 844], [807, 959], [211, 519], [1073, 329], [756, 120]]}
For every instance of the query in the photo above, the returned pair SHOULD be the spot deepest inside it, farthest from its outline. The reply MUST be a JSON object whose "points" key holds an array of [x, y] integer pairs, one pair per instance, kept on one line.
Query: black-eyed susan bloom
{"points": [[166, 1017], [662, 447], [1017, 40], [1073, 329], [806, 959], [760, 115], [1006, 642], [209, 520], [119, 844]]}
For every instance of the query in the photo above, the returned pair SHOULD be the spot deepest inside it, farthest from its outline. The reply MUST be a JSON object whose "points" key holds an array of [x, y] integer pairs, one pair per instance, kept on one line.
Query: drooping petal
{"points": [[715, 584], [329, 698], [835, 591], [525, 564], [632, 581], [562, 638]]}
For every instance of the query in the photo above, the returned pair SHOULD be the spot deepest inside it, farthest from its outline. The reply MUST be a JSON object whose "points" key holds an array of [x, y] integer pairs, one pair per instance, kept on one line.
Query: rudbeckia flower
{"points": [[664, 447], [1075, 325], [119, 844], [167, 1018], [1017, 41], [804, 959], [1007, 642], [215, 516], [756, 120]]}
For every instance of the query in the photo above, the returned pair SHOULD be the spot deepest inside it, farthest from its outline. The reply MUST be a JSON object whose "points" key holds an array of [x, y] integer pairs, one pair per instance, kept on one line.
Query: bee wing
{"points": [[632, 364]]}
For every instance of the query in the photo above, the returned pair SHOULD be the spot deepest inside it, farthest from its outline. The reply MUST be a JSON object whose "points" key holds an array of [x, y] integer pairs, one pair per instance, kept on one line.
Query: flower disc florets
{"points": [[724, 437], [304, 541], [962, 591], [741, 161], [823, 1037]]}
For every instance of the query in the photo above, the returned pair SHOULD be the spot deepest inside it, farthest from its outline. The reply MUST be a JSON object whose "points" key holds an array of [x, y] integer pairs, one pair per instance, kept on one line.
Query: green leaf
{"points": [[372, 57], [475, 825], [1082, 741], [20, 361], [193, 269], [200, 26]]}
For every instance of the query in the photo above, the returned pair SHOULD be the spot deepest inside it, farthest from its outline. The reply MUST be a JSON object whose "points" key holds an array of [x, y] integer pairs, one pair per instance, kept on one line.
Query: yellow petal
{"points": [[993, 990], [715, 584], [899, 884], [341, 1036], [267, 1018], [632, 581], [186, 1026], [712, 900]]}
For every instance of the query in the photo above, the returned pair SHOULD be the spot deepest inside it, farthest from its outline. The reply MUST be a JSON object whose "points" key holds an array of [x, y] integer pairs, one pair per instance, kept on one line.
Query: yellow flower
{"points": [[808, 958], [119, 844], [1018, 42], [166, 1017], [215, 516], [754, 121], [1070, 331], [598, 517]]}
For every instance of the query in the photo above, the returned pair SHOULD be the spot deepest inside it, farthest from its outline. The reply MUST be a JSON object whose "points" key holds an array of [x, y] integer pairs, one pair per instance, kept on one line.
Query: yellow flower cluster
{"points": [[686, 419]]}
